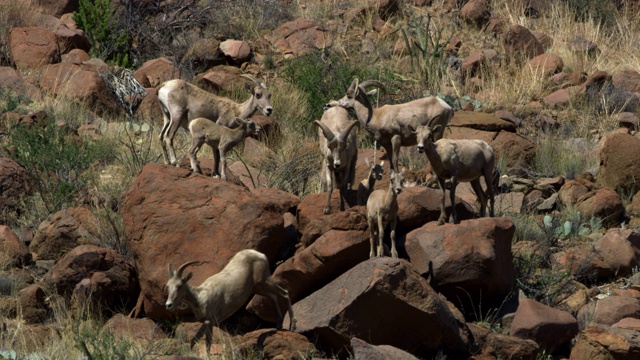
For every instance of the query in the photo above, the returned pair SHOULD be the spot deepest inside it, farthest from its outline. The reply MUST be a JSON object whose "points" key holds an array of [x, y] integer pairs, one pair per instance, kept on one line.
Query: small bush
{"points": [[604, 12]]}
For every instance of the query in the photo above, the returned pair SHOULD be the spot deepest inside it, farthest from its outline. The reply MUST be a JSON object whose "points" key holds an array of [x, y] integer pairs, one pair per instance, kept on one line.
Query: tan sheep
{"points": [[220, 138], [182, 102], [459, 161], [382, 210], [340, 150], [222, 294], [388, 123]]}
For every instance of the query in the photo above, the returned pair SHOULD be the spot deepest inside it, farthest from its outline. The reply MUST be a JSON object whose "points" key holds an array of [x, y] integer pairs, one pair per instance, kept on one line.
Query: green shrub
{"points": [[60, 164], [97, 19], [603, 12]]}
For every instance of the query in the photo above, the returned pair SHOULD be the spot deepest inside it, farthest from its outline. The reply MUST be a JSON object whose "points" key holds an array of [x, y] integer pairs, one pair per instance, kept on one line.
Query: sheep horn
{"points": [[376, 83], [249, 77], [343, 135], [184, 266], [328, 134]]}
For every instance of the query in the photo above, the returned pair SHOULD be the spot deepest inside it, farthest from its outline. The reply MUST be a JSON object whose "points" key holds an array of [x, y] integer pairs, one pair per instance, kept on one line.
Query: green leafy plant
{"points": [[60, 163], [425, 47], [97, 19]]}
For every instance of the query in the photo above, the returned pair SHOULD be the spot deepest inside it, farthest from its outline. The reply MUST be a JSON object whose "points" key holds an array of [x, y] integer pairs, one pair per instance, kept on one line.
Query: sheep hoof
{"points": [[327, 211], [441, 222]]}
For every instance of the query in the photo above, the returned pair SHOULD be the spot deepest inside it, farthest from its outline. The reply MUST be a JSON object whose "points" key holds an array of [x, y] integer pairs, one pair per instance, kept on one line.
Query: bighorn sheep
{"points": [[366, 186], [220, 138], [460, 161], [382, 209], [340, 149], [388, 122], [182, 102], [222, 294]]}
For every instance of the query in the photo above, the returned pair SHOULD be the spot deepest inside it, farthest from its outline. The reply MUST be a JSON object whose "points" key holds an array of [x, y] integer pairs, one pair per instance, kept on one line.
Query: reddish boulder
{"points": [[351, 219], [33, 47], [307, 271], [627, 80], [91, 272], [365, 351], [203, 54], [514, 149], [476, 12], [580, 261], [154, 72], [620, 162], [312, 206], [420, 205], [609, 310], [550, 328], [519, 43], [78, 83], [143, 331], [275, 344], [239, 51], [221, 77], [619, 249], [501, 346], [409, 314], [15, 182], [172, 215], [10, 79], [545, 65], [481, 121], [63, 231], [13, 252], [605, 342], [33, 304], [604, 204], [76, 56], [470, 260], [571, 191], [299, 37]]}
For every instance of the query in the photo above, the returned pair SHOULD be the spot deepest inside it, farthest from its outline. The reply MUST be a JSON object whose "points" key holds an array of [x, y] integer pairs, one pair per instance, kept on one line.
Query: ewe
{"points": [[340, 149], [366, 186], [222, 294], [220, 138], [460, 161], [388, 123], [382, 209], [182, 102]]}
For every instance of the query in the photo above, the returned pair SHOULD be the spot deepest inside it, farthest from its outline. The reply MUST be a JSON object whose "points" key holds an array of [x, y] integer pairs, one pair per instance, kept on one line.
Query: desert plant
{"points": [[97, 18]]}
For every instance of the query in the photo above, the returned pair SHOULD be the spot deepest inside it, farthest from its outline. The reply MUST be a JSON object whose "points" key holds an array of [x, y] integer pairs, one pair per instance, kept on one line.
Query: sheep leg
{"points": [[372, 237], [195, 147], [389, 151], [327, 207], [201, 331], [176, 119], [273, 291], [216, 162], [167, 120], [343, 194], [396, 140], [380, 236], [452, 195], [489, 179], [223, 164], [392, 227], [208, 335], [482, 198], [443, 210]]}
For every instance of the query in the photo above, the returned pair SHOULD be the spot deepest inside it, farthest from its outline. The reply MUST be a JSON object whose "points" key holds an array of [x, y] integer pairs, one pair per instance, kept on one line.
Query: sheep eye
{"points": [[258, 96]]}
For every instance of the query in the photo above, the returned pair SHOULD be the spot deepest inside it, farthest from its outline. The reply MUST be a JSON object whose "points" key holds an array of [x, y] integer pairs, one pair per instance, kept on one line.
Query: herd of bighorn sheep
{"points": [[222, 123]]}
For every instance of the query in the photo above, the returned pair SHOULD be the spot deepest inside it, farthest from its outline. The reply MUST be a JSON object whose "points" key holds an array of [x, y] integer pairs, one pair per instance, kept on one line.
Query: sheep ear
{"points": [[366, 161], [169, 269], [413, 130], [188, 277]]}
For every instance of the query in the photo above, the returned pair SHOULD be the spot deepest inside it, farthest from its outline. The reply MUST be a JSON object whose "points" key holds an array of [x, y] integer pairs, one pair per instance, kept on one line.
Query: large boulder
{"points": [[154, 72], [604, 204], [300, 37], [470, 261], [172, 215], [609, 310], [365, 351], [420, 205], [15, 182], [385, 301], [481, 121], [272, 344], [606, 342], [10, 79], [63, 231], [13, 252], [520, 43], [620, 162], [548, 327], [335, 252], [619, 249], [312, 206], [33, 47], [93, 273], [476, 12]]}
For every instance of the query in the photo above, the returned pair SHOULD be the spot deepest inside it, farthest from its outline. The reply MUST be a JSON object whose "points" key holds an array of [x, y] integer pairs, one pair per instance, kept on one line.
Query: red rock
{"points": [[603, 342], [156, 71], [609, 310], [275, 344], [520, 42], [545, 65], [13, 252], [33, 47]]}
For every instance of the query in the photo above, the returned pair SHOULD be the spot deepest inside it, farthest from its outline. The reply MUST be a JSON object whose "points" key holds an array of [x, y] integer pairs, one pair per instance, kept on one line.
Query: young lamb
{"points": [[182, 102], [366, 186], [388, 122], [220, 138], [460, 161], [222, 294], [382, 209], [340, 149]]}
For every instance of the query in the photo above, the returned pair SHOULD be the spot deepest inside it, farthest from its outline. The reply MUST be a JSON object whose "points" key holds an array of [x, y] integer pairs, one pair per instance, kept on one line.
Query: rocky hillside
{"points": [[92, 217]]}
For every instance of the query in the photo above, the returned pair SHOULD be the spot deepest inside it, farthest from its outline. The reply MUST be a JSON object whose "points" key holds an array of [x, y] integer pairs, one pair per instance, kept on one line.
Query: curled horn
{"points": [[343, 135], [353, 88], [328, 134], [376, 83], [249, 77], [184, 266]]}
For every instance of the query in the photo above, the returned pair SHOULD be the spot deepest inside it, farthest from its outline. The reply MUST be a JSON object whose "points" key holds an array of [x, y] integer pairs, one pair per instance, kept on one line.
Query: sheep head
{"points": [[250, 128], [396, 180], [424, 135], [358, 93], [337, 143], [177, 285], [375, 170], [261, 95]]}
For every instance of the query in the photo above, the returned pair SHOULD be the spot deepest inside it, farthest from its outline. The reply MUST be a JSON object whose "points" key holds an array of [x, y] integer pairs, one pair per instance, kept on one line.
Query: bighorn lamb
{"points": [[382, 209], [460, 161], [340, 149], [366, 186], [388, 123], [220, 138], [222, 294], [182, 102]]}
